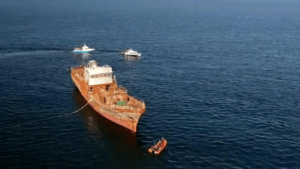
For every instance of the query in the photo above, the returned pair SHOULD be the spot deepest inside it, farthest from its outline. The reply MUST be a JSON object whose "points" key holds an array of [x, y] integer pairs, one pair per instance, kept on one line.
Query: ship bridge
{"points": [[96, 75]]}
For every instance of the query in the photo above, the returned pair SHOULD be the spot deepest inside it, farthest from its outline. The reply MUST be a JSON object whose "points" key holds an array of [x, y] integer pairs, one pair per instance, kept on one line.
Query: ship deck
{"points": [[110, 95]]}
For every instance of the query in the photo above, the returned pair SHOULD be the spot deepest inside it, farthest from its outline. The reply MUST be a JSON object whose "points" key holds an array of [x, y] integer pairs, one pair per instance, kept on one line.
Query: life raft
{"points": [[158, 147]]}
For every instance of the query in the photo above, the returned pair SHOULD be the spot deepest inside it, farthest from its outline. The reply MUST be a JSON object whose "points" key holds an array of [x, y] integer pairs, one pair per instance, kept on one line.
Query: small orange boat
{"points": [[158, 147]]}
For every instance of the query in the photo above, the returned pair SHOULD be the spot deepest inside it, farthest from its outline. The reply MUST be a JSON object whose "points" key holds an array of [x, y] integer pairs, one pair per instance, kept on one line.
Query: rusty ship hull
{"points": [[128, 116]]}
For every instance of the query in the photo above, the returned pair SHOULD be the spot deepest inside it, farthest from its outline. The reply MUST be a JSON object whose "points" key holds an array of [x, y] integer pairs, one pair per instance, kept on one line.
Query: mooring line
{"points": [[46, 118]]}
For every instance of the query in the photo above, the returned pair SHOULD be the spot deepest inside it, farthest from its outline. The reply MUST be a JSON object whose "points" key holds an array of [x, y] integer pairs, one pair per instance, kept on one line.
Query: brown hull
{"points": [[158, 148], [129, 120]]}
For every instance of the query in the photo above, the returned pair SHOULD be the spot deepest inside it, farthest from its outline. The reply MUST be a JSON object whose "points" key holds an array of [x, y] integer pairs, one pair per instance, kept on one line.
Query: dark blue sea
{"points": [[220, 79]]}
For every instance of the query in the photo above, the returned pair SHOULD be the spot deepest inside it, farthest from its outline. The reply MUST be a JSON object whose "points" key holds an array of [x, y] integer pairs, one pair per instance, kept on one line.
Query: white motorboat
{"points": [[131, 52], [83, 49]]}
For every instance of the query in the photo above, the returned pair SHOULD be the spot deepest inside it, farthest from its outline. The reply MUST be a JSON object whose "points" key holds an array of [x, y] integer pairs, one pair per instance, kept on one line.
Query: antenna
{"points": [[115, 80]]}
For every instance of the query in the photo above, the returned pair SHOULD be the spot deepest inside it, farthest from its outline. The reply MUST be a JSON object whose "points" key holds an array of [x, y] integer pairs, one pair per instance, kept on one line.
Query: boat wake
{"points": [[25, 49], [110, 51], [22, 53]]}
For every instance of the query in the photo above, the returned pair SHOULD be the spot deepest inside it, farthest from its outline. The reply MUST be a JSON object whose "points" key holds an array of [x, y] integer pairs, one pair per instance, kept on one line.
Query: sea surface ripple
{"points": [[220, 82]]}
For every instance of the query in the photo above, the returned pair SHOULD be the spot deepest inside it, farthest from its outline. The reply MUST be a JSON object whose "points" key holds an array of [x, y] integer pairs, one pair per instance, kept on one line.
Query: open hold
{"points": [[121, 103]]}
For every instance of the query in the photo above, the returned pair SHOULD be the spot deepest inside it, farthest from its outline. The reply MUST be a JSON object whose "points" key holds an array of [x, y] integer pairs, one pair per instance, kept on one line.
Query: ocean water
{"points": [[221, 82]]}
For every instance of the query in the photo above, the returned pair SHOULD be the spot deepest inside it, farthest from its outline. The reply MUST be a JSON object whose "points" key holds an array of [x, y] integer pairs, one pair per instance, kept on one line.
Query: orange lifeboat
{"points": [[158, 147]]}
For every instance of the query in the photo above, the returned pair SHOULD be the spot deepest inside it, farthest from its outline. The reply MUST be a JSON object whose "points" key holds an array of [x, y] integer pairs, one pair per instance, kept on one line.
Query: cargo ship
{"points": [[99, 87]]}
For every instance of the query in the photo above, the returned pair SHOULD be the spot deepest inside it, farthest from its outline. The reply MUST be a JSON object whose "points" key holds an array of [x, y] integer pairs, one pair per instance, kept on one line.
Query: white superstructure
{"points": [[131, 52], [95, 75], [83, 49]]}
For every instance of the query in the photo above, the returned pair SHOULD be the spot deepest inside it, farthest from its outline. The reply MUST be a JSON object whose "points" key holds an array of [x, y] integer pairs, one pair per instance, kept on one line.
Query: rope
{"points": [[80, 108], [47, 118]]}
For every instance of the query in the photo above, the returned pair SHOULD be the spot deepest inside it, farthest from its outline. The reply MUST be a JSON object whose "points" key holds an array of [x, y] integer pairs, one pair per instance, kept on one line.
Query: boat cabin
{"points": [[97, 75]]}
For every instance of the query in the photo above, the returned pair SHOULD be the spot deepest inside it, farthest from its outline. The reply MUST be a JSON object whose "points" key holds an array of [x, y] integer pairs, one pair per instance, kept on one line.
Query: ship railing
{"points": [[141, 100], [114, 106], [79, 66], [138, 99], [122, 88]]}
